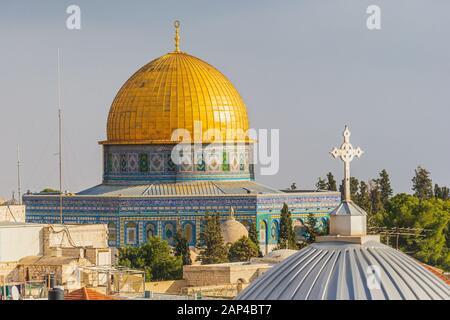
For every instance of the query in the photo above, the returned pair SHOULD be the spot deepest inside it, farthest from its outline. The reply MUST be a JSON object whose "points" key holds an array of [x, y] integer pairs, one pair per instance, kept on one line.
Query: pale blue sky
{"points": [[306, 67]]}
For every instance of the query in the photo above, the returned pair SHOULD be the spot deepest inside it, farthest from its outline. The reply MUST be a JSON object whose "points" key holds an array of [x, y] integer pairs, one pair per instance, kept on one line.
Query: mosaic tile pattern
{"points": [[264, 209]]}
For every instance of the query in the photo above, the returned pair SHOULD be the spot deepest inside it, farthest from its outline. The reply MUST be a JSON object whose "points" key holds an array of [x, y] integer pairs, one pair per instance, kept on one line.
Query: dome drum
{"points": [[175, 100], [137, 164]]}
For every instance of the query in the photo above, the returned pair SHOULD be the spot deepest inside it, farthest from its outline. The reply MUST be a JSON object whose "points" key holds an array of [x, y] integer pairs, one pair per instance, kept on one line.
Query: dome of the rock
{"points": [[152, 185], [174, 92]]}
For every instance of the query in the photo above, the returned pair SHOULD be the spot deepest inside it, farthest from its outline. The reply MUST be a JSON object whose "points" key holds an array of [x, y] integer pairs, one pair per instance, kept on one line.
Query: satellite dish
{"points": [[15, 295]]}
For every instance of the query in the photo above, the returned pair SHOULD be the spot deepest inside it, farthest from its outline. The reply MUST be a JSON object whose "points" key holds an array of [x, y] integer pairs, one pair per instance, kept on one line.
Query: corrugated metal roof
{"points": [[187, 188], [344, 271]]}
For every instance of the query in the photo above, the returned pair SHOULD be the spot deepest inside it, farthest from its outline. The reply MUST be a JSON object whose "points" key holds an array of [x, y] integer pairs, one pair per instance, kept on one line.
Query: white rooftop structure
{"points": [[347, 271], [348, 264]]}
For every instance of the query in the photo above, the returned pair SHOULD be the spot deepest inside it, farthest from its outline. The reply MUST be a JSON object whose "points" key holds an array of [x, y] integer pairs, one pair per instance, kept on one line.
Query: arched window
{"points": [[169, 232], [188, 232], [274, 230], [299, 230], [112, 231], [262, 232], [324, 225], [150, 231], [131, 233]]}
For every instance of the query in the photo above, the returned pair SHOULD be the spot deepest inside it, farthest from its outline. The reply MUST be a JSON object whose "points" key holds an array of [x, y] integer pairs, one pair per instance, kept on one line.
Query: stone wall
{"points": [[8, 272], [12, 213], [222, 274], [79, 241], [18, 240], [167, 287], [66, 272], [227, 291], [69, 236]]}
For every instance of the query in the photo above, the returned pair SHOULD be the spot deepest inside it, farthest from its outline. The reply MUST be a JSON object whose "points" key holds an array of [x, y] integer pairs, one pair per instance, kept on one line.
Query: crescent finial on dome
{"points": [[177, 35]]}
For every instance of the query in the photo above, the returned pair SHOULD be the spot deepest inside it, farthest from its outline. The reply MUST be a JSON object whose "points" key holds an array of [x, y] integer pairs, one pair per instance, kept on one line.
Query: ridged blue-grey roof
{"points": [[348, 208], [337, 271], [183, 188]]}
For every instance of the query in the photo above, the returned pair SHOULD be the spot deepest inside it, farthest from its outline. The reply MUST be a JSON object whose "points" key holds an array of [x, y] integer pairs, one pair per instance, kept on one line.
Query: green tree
{"points": [[50, 190], [331, 182], [155, 258], [354, 187], [441, 192], [253, 236], [286, 239], [437, 191], [212, 248], [243, 250], [362, 198], [422, 184], [375, 214], [376, 204], [181, 248], [445, 193], [384, 186], [432, 215], [311, 228], [321, 184]]}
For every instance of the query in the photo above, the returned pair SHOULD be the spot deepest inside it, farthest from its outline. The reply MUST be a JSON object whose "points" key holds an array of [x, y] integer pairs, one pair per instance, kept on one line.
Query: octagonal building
{"points": [[176, 148]]}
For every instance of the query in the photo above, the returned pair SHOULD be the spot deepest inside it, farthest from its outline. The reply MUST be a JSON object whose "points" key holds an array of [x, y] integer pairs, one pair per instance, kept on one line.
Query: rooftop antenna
{"points": [[60, 140], [18, 176]]}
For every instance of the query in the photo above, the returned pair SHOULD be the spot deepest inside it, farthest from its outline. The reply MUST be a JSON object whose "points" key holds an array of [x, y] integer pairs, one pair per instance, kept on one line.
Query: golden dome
{"points": [[173, 92]]}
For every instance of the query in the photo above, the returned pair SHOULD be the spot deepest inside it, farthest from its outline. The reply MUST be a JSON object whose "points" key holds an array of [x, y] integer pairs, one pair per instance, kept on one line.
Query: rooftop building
{"points": [[348, 264]]}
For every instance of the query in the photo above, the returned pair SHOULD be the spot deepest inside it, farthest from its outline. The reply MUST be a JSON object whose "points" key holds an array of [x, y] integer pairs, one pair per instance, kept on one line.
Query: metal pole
{"points": [[143, 279], [4, 287], [398, 235], [60, 141], [108, 285], [18, 176]]}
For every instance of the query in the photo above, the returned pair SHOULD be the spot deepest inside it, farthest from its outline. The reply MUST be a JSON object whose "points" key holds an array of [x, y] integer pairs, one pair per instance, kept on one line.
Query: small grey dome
{"points": [[345, 271], [232, 230]]}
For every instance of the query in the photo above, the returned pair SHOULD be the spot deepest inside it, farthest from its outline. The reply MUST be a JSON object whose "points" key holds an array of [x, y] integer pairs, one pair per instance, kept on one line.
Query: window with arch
{"points": [[274, 230], [324, 225], [150, 231], [112, 231], [131, 233], [262, 231], [188, 232], [169, 232], [299, 229]]}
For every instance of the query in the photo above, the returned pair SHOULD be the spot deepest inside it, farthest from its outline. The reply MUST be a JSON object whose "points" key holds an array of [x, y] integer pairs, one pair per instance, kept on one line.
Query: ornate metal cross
{"points": [[347, 153]]}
